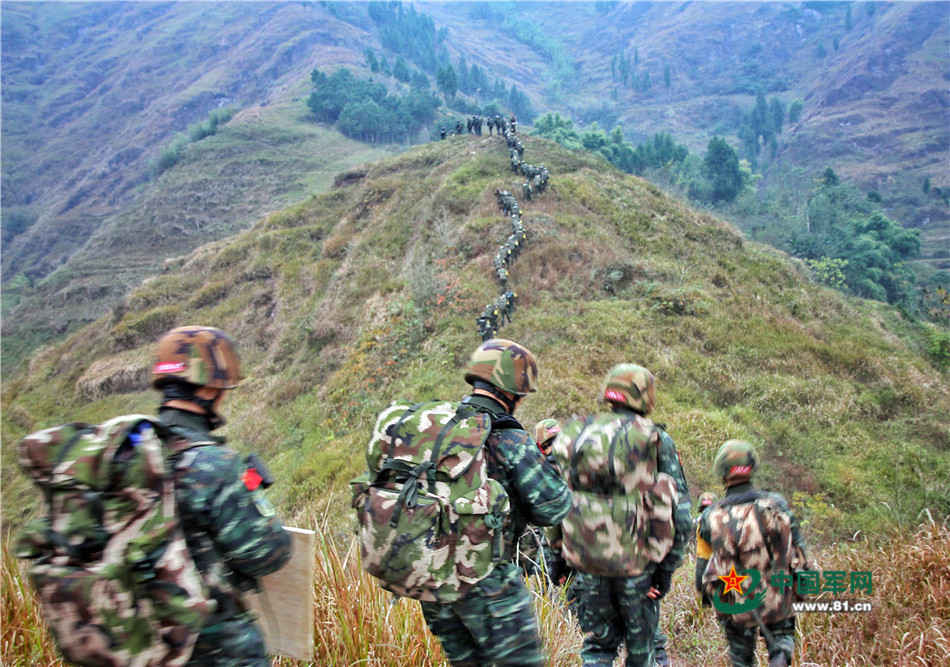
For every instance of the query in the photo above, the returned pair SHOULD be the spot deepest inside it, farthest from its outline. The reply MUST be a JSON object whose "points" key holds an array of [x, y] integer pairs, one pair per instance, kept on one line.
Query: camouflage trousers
{"points": [[234, 642], [659, 643], [614, 611], [493, 624], [742, 641]]}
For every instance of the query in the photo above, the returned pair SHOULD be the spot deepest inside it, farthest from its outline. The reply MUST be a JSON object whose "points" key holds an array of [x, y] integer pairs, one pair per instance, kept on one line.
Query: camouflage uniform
{"points": [[668, 449], [494, 623], [616, 610], [735, 465], [233, 535], [742, 641]]}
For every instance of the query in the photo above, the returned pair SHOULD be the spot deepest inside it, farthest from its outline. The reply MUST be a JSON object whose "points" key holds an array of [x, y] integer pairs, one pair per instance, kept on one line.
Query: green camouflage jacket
{"points": [[668, 461], [233, 533], [537, 493]]}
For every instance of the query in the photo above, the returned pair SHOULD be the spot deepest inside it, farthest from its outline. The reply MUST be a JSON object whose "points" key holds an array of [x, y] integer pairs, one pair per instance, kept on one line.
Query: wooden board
{"points": [[285, 603]]}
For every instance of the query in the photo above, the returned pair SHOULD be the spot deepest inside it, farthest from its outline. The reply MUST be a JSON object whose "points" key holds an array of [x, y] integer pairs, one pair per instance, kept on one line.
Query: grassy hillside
{"points": [[261, 161], [369, 292]]}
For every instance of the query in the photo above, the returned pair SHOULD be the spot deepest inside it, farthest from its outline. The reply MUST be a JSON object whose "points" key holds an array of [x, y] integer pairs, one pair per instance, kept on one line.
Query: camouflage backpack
{"points": [[752, 533], [115, 581], [430, 517], [621, 516]]}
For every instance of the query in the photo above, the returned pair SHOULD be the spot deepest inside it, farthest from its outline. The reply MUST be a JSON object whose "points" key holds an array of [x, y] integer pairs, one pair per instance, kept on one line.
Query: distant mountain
{"points": [[94, 92], [873, 79]]}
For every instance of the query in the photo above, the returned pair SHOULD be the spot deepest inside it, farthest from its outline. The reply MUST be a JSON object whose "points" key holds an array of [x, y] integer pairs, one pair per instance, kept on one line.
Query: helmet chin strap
{"points": [[183, 391], [619, 407], [509, 403]]}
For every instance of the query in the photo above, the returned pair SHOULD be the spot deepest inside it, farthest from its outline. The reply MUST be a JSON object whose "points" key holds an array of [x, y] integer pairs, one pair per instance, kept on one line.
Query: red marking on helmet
{"points": [[740, 470], [251, 479], [614, 395], [170, 367], [554, 429]]}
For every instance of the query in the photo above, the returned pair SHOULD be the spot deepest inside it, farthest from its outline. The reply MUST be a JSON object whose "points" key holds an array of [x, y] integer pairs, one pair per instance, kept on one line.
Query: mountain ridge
{"points": [[370, 292]]}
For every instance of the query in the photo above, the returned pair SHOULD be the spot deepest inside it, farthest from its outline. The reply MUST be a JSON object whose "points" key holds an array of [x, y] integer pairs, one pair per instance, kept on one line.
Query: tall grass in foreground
{"points": [[24, 639], [356, 623]]}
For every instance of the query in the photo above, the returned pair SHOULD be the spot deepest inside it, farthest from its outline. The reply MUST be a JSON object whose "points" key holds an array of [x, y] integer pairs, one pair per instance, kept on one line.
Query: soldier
{"points": [[514, 247], [494, 622], [484, 327], [503, 278], [526, 191], [504, 310], [735, 464], [505, 253], [491, 124], [534, 549], [514, 124], [442, 134], [706, 501], [458, 127], [703, 552], [231, 529], [511, 298], [616, 609], [498, 262]]}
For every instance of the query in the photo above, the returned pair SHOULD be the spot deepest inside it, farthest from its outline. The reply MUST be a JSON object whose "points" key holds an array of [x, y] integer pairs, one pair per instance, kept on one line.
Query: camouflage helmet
{"points": [[504, 364], [735, 461], [707, 499], [630, 385], [546, 429], [201, 356]]}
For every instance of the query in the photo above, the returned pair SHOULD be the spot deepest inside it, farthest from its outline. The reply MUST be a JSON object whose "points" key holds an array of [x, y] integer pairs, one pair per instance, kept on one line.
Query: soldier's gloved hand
{"points": [[661, 582], [257, 473], [558, 570]]}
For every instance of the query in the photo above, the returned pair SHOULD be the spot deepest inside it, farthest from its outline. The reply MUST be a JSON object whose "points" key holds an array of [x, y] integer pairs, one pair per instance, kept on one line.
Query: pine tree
{"points": [[371, 60], [401, 70], [721, 166]]}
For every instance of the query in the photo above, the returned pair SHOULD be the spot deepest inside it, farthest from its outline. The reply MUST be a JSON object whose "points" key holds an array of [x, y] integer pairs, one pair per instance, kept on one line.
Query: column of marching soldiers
{"points": [[496, 314]]}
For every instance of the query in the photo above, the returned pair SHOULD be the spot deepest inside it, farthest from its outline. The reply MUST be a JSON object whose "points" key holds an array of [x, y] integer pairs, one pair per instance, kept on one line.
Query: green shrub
{"points": [[938, 348]]}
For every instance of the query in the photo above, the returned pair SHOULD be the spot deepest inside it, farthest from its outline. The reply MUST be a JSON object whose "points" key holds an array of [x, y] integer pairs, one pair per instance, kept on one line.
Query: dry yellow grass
{"points": [[358, 624]]}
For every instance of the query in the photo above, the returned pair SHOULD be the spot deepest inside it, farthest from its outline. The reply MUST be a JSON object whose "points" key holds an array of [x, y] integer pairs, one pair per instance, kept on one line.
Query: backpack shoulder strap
{"points": [[574, 476], [771, 539], [181, 445], [505, 421]]}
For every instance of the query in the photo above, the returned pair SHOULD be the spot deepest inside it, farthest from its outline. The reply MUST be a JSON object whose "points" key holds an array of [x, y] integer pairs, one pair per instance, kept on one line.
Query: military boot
{"points": [[780, 659]]}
